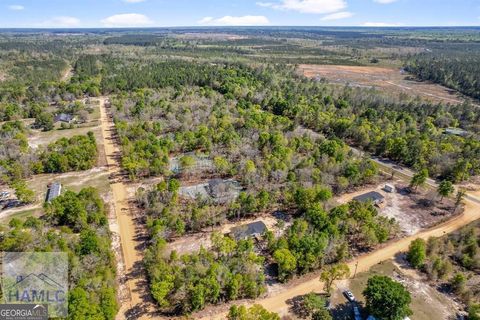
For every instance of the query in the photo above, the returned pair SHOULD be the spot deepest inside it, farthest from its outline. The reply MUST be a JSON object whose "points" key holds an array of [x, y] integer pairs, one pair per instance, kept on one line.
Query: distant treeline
{"points": [[457, 70]]}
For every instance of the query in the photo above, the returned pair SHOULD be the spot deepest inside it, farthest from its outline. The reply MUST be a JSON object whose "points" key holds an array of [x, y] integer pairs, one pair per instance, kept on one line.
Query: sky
{"points": [[174, 13]]}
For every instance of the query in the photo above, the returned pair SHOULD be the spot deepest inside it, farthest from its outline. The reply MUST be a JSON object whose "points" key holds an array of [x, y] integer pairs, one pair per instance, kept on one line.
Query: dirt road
{"points": [[137, 304], [67, 74]]}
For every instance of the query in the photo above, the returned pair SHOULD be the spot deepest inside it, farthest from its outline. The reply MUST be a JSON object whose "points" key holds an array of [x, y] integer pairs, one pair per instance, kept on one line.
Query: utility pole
{"points": [[355, 273]]}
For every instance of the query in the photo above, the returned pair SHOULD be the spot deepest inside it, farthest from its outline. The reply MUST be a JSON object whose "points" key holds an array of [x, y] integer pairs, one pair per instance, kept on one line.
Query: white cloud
{"points": [[337, 16], [307, 6], [265, 4], [61, 22], [127, 20], [385, 1], [381, 24], [133, 1], [16, 7], [235, 21]]}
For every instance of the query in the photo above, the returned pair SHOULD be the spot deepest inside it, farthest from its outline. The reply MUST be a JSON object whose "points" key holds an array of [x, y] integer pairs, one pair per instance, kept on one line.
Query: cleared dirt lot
{"points": [[410, 210], [192, 243], [393, 80], [427, 302]]}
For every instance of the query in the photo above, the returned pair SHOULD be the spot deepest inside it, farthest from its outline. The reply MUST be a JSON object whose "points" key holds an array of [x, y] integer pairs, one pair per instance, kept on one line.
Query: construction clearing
{"points": [[392, 80]]}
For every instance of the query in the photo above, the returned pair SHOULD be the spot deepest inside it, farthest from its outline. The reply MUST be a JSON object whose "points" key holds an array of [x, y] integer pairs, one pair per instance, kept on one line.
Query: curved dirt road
{"points": [[138, 300], [277, 303]]}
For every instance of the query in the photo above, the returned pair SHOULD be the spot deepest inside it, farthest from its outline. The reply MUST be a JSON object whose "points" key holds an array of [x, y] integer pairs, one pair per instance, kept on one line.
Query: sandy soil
{"points": [[137, 305], [278, 302], [406, 208], [390, 79], [7, 213]]}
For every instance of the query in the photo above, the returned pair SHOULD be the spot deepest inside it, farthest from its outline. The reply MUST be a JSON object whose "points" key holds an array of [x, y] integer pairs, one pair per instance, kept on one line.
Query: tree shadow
{"points": [[296, 305], [342, 311]]}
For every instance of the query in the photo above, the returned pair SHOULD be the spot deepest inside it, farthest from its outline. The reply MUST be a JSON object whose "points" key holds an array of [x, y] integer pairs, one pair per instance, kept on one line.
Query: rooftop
{"points": [[370, 196], [54, 190], [248, 230], [456, 131], [64, 117]]}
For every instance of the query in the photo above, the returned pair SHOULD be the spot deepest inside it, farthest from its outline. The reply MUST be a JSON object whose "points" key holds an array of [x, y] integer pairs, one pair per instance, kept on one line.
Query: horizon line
{"points": [[238, 26]]}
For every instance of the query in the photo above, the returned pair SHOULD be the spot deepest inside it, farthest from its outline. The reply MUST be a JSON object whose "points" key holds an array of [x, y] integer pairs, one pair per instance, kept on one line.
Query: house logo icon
{"points": [[36, 279], [35, 288]]}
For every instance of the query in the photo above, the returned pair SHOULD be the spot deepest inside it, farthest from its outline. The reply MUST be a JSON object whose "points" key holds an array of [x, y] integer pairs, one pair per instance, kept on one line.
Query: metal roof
{"points": [[456, 131], [64, 117], [248, 230], [54, 191], [370, 196]]}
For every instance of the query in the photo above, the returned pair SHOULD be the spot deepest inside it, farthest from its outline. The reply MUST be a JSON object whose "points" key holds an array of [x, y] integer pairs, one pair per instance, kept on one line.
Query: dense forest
{"points": [[285, 140]]}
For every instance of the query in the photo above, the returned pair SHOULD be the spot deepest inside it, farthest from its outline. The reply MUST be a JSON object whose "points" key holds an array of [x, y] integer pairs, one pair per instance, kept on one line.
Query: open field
{"points": [[386, 79]]}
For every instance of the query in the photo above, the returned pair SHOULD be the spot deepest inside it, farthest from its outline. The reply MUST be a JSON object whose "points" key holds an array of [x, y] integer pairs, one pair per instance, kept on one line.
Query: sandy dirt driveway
{"points": [[391, 79], [278, 302]]}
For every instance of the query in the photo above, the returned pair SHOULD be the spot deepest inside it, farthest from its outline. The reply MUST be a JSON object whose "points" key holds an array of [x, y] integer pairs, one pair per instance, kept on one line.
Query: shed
{"points": [[456, 132], [254, 229], [373, 196], [54, 190], [64, 117], [389, 188]]}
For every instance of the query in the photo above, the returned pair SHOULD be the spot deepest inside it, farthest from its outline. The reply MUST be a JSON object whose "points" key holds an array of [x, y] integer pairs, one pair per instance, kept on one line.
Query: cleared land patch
{"points": [[393, 80]]}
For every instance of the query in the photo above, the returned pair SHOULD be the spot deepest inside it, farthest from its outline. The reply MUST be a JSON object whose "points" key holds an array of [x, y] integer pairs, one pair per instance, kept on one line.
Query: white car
{"points": [[349, 295]]}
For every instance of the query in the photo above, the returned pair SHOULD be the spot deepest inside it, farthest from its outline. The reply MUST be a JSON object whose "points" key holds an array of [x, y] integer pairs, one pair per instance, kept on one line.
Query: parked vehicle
{"points": [[349, 295]]}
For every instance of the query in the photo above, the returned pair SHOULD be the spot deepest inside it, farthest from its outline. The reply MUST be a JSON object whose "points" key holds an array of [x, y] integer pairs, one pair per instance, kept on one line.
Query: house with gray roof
{"points": [[64, 117], [377, 198], [54, 190], [250, 230]]}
